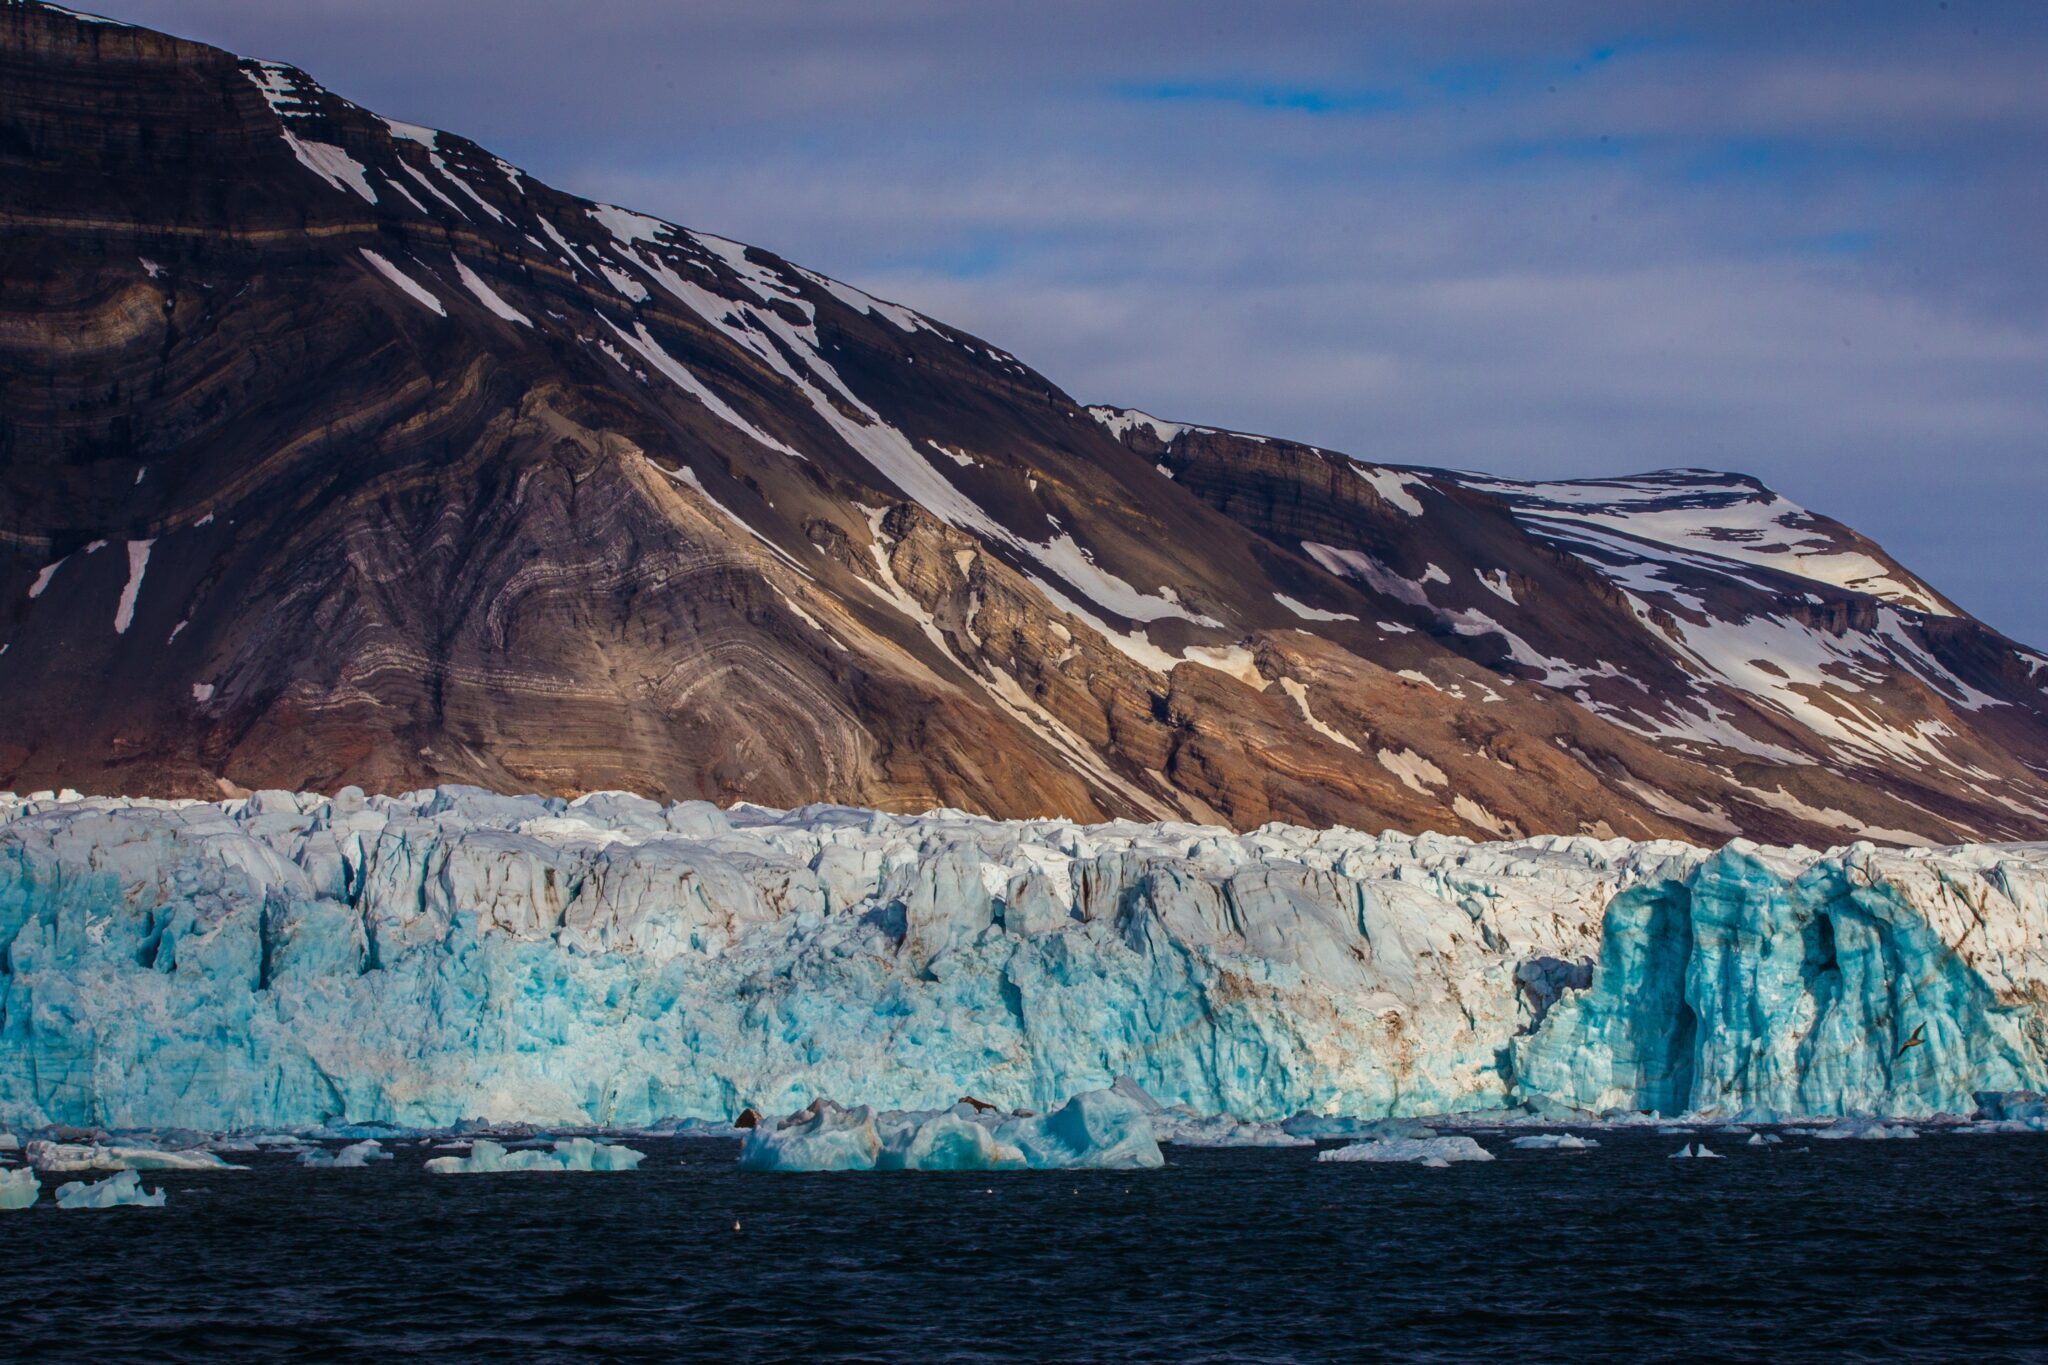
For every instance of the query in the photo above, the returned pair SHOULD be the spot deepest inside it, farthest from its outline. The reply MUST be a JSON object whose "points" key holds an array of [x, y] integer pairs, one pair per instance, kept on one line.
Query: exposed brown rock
{"points": [[699, 524]]}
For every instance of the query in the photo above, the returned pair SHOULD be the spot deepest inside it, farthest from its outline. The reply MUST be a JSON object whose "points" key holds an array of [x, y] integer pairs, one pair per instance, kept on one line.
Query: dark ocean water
{"points": [[1823, 1251]]}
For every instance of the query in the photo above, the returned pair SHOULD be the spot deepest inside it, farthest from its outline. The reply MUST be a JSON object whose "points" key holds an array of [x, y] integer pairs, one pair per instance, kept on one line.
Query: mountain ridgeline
{"points": [[335, 450]]}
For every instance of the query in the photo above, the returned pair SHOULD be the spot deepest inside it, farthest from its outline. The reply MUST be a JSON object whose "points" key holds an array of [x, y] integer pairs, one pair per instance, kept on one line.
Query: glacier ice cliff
{"points": [[288, 960]]}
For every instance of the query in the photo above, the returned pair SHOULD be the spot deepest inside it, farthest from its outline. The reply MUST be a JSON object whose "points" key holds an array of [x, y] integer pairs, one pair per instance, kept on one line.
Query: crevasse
{"points": [[285, 960]]}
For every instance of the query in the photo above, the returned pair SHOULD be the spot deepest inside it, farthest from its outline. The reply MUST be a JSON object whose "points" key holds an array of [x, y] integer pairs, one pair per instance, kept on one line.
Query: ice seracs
{"points": [[289, 962]]}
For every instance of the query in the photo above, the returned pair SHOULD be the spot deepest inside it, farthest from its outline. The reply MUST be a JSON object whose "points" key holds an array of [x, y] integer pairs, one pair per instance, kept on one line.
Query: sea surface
{"points": [[1933, 1249]]}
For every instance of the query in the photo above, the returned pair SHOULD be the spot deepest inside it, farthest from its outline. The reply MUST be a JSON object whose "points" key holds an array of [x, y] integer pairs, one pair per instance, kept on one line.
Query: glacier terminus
{"points": [[285, 960]]}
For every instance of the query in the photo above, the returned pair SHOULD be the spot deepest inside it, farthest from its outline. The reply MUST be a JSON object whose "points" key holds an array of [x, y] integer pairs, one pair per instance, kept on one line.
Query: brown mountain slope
{"points": [[338, 451]]}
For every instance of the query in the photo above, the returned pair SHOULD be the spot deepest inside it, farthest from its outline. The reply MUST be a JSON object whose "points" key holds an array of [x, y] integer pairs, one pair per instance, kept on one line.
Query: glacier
{"points": [[284, 961]]}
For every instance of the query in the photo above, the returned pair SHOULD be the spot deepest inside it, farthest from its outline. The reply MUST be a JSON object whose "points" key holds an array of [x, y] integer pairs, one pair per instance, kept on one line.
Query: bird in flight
{"points": [[1918, 1037]]}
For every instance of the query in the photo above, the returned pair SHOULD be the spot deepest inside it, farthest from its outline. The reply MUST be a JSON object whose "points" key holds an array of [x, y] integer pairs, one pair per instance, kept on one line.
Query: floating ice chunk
{"points": [[116, 1191], [1694, 1150], [69, 1156], [1865, 1129], [1437, 1151], [571, 1154], [822, 1136], [1183, 1127], [19, 1188], [353, 1157], [1313, 1126], [1762, 1139], [1095, 1130], [1220, 1130], [1101, 1130], [945, 1142], [694, 1128], [1557, 1142]]}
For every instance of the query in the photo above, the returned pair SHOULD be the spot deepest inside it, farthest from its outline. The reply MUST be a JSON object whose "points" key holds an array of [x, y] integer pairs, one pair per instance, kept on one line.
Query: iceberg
{"points": [[19, 1188], [369, 966], [571, 1154], [1437, 1151], [70, 1156], [1851, 1129], [822, 1136], [115, 1192], [946, 1142], [354, 1157], [1220, 1130], [1553, 1142], [1099, 1130], [1695, 1151], [1183, 1127]]}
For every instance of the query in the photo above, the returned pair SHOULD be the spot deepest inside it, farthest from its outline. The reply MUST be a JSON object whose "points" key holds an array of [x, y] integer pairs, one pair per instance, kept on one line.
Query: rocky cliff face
{"points": [[335, 450]]}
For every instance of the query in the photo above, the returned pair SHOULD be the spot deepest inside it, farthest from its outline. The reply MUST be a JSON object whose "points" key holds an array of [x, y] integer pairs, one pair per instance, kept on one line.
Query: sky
{"points": [[1806, 240]]}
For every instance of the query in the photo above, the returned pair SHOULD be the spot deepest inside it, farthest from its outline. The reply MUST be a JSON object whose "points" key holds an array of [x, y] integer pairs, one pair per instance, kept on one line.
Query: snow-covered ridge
{"points": [[286, 960], [1695, 515]]}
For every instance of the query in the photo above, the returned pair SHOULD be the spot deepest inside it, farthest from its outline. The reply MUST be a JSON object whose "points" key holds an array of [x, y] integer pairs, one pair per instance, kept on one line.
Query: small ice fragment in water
{"points": [[19, 1188], [1423, 1150], [116, 1191]]}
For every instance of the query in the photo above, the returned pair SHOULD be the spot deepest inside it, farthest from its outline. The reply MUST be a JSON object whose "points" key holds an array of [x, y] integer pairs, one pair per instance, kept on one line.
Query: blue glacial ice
{"points": [[355, 1156], [1553, 1142], [570, 1154], [1429, 1151], [49, 1156], [416, 962], [115, 1192], [19, 1188], [1098, 1130]]}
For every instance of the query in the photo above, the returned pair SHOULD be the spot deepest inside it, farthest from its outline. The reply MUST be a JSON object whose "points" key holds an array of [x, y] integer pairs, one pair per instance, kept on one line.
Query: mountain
{"points": [[335, 450]]}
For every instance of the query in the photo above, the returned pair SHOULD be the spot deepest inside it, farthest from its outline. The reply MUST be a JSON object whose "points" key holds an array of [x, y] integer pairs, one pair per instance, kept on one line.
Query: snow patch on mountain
{"points": [[290, 95], [412, 290]]}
